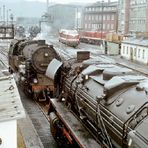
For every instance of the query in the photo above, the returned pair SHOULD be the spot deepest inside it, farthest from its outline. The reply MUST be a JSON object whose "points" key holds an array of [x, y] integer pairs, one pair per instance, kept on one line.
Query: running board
{"points": [[77, 130]]}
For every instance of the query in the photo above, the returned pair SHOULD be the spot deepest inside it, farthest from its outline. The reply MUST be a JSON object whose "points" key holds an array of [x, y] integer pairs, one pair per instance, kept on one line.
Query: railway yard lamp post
{"points": [[8, 10], [3, 14]]}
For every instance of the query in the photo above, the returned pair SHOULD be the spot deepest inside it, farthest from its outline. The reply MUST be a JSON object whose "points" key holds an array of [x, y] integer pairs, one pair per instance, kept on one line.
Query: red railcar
{"points": [[69, 37], [92, 37]]}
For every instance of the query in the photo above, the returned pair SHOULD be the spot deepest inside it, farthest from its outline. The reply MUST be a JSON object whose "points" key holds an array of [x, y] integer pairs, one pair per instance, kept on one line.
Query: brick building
{"points": [[133, 16], [100, 16]]}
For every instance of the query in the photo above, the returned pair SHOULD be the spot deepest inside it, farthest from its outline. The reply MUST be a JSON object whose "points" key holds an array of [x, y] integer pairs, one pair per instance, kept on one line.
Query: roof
{"points": [[11, 107], [135, 41], [69, 32], [104, 4]]}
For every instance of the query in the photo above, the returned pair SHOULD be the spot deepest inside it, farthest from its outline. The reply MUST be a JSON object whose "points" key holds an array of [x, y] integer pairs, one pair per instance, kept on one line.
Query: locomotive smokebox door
{"points": [[52, 69]]}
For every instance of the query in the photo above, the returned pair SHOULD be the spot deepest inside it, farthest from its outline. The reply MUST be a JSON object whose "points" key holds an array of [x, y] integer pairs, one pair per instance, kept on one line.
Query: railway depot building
{"points": [[100, 17], [135, 50]]}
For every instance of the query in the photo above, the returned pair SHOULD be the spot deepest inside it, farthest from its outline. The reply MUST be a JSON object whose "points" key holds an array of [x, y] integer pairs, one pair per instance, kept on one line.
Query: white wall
{"points": [[134, 52], [8, 134]]}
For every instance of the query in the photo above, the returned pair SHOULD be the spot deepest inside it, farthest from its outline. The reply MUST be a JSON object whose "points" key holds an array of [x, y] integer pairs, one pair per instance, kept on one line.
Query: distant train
{"points": [[33, 31], [20, 31], [29, 59], [69, 37], [92, 37]]}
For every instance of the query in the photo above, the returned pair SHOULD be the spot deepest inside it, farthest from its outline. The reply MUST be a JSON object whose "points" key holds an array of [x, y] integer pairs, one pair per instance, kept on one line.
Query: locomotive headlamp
{"points": [[46, 54], [22, 78], [130, 142], [86, 77], [35, 81]]}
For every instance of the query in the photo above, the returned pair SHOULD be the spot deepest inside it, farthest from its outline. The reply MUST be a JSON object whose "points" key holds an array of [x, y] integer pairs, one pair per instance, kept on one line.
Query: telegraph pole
{"points": [[4, 14]]}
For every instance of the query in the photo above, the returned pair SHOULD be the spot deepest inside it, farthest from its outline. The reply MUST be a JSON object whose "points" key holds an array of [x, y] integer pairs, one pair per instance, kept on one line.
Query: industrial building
{"points": [[133, 16], [100, 16], [64, 16]]}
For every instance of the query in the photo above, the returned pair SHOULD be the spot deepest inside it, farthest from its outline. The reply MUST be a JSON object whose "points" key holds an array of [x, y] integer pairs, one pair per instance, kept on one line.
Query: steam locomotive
{"points": [[93, 103], [29, 60], [100, 104]]}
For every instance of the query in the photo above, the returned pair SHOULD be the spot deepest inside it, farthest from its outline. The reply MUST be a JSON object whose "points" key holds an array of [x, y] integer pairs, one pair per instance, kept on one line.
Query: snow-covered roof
{"points": [[11, 107], [137, 41], [69, 32]]}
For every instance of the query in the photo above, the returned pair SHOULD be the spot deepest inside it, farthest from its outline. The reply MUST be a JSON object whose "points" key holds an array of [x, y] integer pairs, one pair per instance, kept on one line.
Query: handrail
{"points": [[126, 125]]}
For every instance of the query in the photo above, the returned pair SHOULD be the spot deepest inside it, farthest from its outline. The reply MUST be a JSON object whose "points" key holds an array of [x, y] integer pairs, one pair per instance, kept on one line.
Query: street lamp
{"points": [[4, 14], [11, 18], [8, 10]]}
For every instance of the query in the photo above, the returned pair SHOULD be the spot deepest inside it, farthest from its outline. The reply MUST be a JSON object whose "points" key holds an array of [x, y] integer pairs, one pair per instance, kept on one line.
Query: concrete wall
{"points": [[8, 134], [113, 48]]}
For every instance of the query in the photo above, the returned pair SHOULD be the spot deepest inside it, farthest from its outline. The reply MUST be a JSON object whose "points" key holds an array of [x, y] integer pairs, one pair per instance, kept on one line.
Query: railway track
{"points": [[38, 115], [38, 111]]}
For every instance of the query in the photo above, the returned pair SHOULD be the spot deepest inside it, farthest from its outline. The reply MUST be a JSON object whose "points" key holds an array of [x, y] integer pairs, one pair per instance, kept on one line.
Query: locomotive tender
{"points": [[100, 104], [29, 59]]}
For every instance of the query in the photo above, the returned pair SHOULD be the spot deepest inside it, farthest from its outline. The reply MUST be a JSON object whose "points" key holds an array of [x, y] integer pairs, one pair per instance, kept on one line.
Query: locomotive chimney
{"points": [[83, 55], [41, 42]]}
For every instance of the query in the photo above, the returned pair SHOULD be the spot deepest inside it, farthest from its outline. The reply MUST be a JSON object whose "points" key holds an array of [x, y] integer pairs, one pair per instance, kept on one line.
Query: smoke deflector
{"points": [[52, 68]]}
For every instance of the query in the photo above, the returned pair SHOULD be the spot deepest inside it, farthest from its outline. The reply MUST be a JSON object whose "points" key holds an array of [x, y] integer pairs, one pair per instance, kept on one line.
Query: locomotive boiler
{"points": [[100, 104], [29, 60]]}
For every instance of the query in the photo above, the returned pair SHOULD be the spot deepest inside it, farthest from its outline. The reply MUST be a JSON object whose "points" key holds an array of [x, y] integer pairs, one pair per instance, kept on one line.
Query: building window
{"points": [[104, 17], [113, 17], [108, 26], [143, 53], [108, 17], [127, 50], [85, 26], [89, 17], [135, 52], [123, 49], [112, 26], [138, 53], [99, 26], [103, 26], [100, 17]]}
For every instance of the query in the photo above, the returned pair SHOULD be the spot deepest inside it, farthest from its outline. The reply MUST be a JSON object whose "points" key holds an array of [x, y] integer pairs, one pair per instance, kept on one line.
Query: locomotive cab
{"points": [[13, 55]]}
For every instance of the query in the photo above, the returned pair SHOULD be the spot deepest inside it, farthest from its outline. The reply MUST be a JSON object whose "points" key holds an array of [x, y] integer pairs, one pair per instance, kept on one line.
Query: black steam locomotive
{"points": [[29, 59], [99, 105], [96, 103]]}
